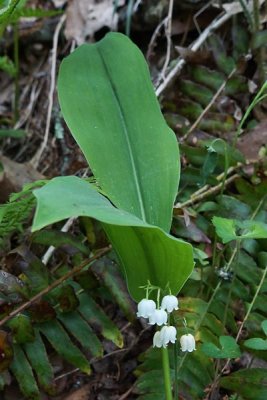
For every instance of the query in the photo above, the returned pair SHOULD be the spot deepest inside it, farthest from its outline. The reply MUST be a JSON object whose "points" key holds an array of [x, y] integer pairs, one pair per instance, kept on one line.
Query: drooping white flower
{"points": [[169, 303], [188, 343], [157, 341], [145, 308], [158, 317], [167, 335]]}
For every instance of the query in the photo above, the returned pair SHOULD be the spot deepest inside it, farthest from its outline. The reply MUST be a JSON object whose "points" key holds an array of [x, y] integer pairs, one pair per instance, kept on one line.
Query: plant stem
{"points": [[175, 351], [166, 373], [252, 303], [229, 298]]}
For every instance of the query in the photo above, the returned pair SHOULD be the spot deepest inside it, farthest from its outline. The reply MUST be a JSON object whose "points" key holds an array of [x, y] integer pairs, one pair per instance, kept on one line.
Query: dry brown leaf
{"points": [[80, 394], [14, 176], [251, 142], [85, 17]]}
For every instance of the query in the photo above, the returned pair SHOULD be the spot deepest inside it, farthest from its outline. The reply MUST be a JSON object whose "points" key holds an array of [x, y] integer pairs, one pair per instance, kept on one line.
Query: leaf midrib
{"points": [[127, 137]]}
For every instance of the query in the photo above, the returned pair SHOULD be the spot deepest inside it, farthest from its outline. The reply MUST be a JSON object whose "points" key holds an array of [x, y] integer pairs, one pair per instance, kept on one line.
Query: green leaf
{"points": [[145, 251], [80, 329], [264, 326], [231, 229], [37, 356], [14, 133], [22, 329], [256, 344], [56, 238], [23, 372], [109, 104], [229, 348], [6, 11], [112, 278], [251, 384], [61, 342], [96, 317]]}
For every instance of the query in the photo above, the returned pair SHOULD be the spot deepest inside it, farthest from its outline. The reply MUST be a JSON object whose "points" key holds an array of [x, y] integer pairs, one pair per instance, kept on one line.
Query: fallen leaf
{"points": [[85, 17], [14, 176], [251, 142]]}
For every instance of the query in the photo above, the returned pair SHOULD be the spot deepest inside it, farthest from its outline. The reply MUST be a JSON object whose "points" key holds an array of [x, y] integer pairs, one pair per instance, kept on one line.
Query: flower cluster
{"points": [[159, 316]]}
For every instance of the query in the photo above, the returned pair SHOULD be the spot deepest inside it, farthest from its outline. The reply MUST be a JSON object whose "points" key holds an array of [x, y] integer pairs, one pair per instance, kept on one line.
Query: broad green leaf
{"points": [[91, 311], [37, 356], [229, 348], [145, 251], [251, 383], [61, 342], [23, 372], [231, 229], [108, 102], [80, 329]]}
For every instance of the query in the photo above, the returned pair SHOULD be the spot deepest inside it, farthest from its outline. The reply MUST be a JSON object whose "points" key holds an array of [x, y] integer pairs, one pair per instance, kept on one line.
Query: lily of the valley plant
{"points": [[110, 107]]}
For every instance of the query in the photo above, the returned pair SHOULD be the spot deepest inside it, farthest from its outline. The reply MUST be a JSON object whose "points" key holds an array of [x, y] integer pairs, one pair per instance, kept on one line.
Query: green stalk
{"points": [[258, 98], [175, 351], [229, 297], [166, 374]]}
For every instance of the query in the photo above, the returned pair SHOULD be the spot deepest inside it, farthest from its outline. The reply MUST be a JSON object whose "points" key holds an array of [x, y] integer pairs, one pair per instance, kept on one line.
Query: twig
{"points": [[216, 23], [214, 98], [53, 285], [126, 394], [153, 38], [36, 158], [202, 196], [168, 31]]}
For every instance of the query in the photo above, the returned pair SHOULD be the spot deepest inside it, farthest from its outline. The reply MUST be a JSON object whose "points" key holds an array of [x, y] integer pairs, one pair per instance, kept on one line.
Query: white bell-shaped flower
{"points": [[159, 317], [188, 343], [145, 308], [169, 303], [168, 335], [157, 340]]}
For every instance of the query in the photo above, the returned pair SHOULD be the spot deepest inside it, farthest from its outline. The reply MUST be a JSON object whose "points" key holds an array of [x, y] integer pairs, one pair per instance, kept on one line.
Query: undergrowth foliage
{"points": [[224, 301], [17, 212], [69, 316]]}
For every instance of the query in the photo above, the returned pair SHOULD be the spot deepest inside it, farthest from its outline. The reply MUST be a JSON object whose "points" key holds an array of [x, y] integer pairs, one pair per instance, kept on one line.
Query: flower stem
{"points": [[175, 350], [166, 373]]}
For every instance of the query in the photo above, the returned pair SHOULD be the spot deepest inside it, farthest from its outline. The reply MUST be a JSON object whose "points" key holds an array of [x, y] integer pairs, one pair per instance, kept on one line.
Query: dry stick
{"points": [[53, 285], [36, 158], [168, 31], [203, 195], [153, 38], [194, 47], [215, 97]]}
